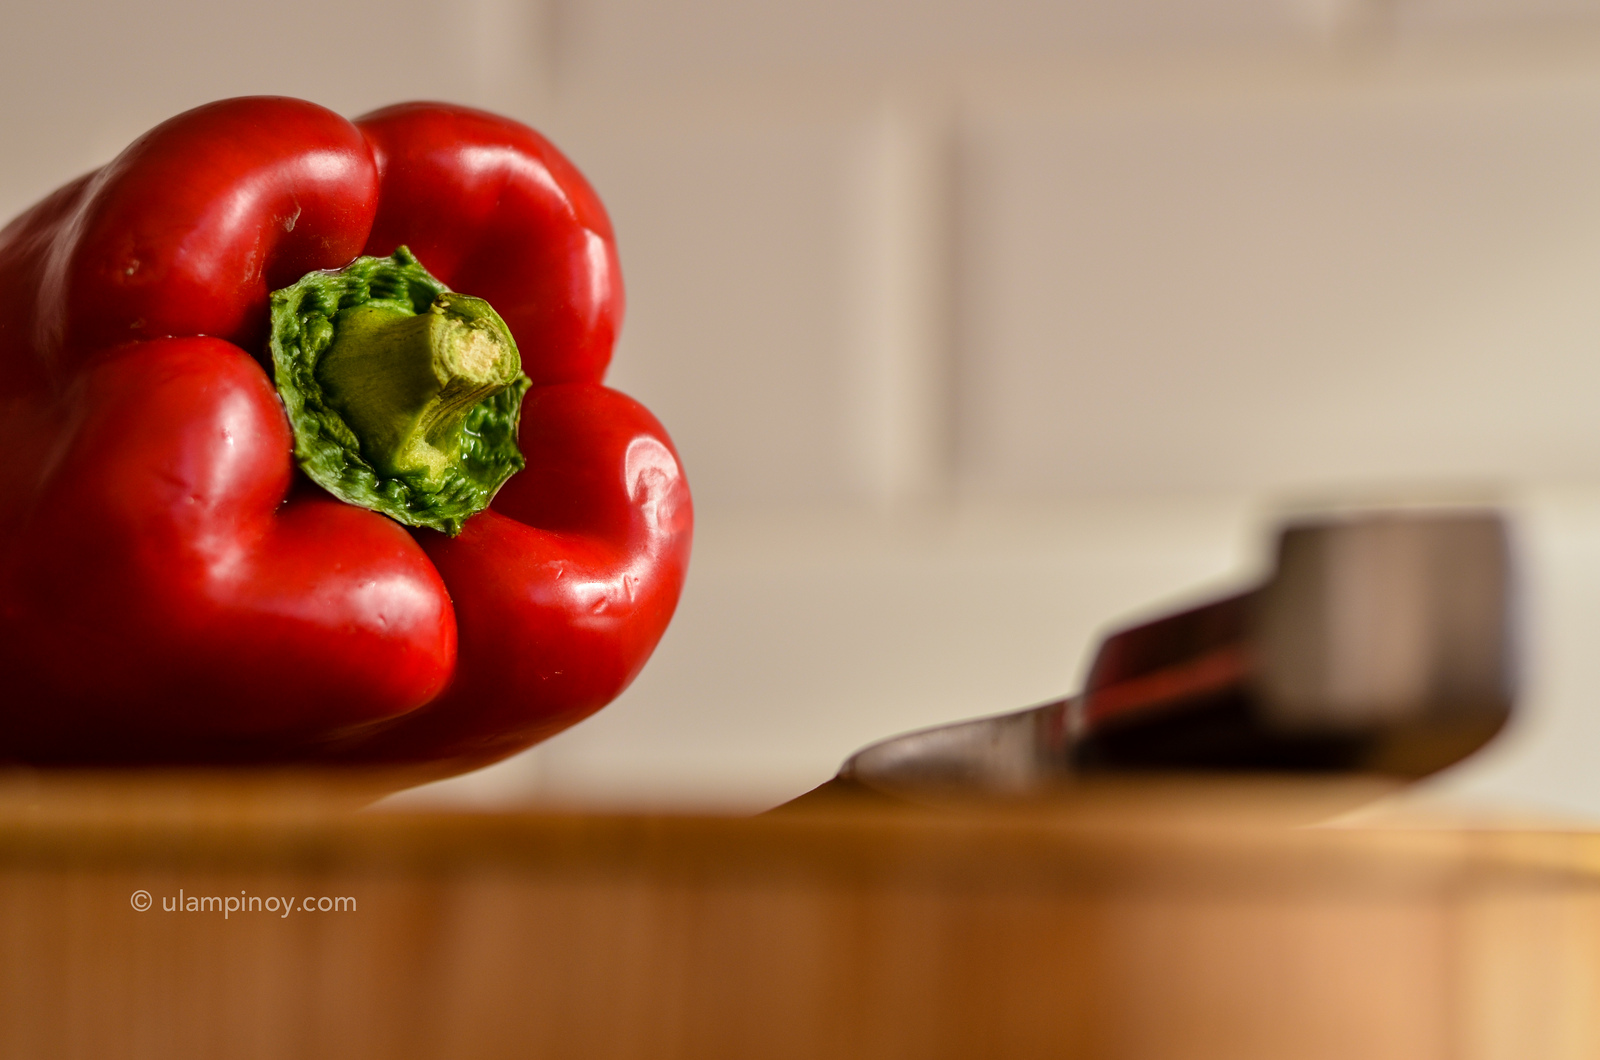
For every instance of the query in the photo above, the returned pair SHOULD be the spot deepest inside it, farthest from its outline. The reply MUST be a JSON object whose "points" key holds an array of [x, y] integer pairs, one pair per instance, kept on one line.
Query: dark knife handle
{"points": [[1381, 643]]}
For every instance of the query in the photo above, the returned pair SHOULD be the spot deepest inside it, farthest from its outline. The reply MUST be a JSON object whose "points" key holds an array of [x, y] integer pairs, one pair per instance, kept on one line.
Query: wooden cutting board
{"points": [[1167, 919]]}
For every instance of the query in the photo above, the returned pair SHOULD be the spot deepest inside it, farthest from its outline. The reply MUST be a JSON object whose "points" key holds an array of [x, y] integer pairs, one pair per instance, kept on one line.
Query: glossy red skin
{"points": [[171, 589], [450, 178]]}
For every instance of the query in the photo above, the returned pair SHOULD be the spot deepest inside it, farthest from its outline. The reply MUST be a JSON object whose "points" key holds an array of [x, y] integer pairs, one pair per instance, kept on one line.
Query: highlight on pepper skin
{"points": [[169, 522]]}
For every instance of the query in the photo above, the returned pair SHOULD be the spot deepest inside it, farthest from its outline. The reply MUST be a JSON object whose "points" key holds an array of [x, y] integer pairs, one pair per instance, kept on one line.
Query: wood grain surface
{"points": [[1164, 919]]}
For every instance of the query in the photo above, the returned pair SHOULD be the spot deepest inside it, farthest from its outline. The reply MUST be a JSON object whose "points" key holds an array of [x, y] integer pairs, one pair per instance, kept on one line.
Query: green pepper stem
{"points": [[404, 382]]}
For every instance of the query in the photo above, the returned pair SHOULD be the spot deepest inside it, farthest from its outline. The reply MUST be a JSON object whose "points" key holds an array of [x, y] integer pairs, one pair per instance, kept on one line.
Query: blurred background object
{"points": [[983, 327], [1378, 643]]}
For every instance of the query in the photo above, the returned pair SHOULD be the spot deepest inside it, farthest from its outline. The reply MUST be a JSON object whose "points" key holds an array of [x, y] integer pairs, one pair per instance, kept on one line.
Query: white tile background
{"points": [[983, 326]]}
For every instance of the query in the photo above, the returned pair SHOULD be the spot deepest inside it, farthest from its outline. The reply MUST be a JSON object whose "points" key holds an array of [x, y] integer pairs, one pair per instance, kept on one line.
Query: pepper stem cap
{"points": [[404, 396]]}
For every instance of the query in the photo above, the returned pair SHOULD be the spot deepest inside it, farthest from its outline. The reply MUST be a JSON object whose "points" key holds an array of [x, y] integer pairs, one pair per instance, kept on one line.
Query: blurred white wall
{"points": [[983, 325]]}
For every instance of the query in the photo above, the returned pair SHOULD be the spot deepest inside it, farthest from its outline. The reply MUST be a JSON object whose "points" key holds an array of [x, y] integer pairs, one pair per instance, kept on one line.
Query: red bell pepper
{"points": [[172, 588]]}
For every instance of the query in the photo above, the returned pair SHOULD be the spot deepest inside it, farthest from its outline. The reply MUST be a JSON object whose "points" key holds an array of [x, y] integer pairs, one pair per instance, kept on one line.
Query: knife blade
{"points": [[1382, 642]]}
